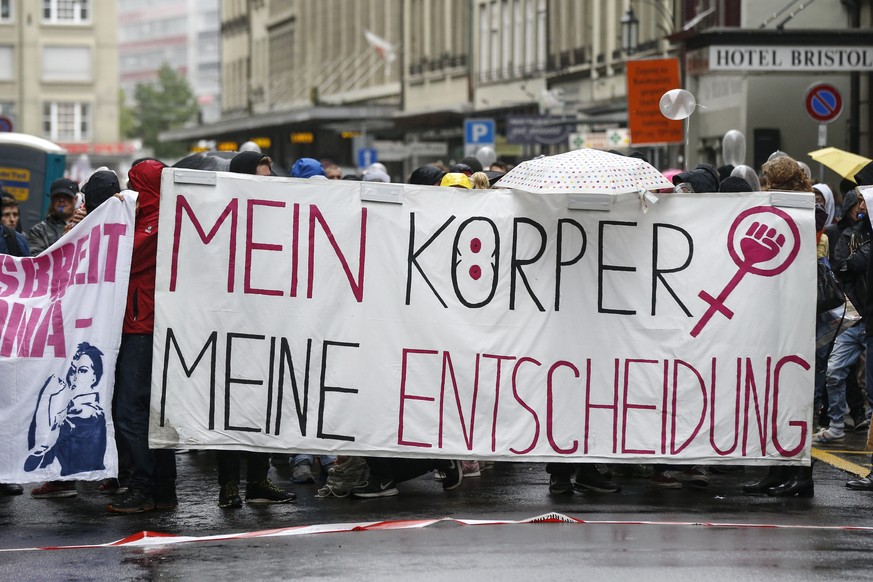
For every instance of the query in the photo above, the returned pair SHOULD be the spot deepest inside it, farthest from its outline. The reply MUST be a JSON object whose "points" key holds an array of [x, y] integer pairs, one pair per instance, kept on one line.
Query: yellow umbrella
{"points": [[844, 163]]}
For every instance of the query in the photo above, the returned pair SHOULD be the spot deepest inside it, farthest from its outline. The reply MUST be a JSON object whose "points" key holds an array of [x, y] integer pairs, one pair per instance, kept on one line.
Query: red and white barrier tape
{"points": [[150, 538]]}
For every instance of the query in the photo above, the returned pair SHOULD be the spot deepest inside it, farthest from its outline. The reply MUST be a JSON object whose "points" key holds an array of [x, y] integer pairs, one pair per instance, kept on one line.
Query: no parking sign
{"points": [[823, 102]]}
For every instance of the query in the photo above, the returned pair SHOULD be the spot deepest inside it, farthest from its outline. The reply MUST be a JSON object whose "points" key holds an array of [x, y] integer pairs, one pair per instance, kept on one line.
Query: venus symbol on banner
{"points": [[762, 244]]}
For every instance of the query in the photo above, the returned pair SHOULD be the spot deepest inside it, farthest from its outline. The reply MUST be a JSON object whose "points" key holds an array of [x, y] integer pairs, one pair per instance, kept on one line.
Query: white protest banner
{"points": [[481, 323], [60, 324]]}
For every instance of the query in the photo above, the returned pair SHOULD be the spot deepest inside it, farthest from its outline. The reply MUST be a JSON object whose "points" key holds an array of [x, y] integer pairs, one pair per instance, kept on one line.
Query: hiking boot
{"points": [[826, 437], [376, 487], [132, 502], [665, 480], [694, 477], [54, 489], [165, 497], [588, 478], [302, 473], [560, 485], [453, 476], [229, 496], [11, 489], [265, 492]]}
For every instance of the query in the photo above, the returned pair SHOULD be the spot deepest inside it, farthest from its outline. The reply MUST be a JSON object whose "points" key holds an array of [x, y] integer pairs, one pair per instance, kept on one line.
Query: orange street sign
{"points": [[647, 80]]}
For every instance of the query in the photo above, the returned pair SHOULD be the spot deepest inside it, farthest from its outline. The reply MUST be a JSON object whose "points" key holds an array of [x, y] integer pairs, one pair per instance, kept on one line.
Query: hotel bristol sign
{"points": [[781, 58]]}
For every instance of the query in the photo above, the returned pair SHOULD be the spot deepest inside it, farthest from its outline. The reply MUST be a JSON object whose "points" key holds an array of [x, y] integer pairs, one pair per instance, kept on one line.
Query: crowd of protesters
{"points": [[843, 396]]}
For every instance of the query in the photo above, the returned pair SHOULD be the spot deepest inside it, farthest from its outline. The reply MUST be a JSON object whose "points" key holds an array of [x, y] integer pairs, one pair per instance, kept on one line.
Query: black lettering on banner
{"points": [[494, 263], [325, 389], [171, 338], [412, 256], [228, 380], [517, 263], [657, 273], [601, 267], [560, 263], [300, 410]]}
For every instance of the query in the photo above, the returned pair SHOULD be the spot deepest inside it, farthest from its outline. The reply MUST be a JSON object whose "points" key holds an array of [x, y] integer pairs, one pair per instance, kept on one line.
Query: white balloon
{"points": [[486, 156], [733, 148], [677, 104]]}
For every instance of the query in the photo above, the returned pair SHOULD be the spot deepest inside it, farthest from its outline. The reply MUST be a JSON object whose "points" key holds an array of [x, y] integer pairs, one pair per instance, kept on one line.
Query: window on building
{"points": [[5, 10], [66, 122], [7, 72], [66, 11], [66, 63]]}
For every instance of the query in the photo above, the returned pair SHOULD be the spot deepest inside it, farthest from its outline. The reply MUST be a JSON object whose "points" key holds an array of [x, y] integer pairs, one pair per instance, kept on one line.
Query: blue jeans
{"points": [[868, 377], [150, 469], [848, 347], [326, 460]]}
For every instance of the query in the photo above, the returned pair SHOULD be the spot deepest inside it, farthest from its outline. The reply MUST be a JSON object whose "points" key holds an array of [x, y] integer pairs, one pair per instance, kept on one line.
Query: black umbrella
{"points": [[211, 160]]}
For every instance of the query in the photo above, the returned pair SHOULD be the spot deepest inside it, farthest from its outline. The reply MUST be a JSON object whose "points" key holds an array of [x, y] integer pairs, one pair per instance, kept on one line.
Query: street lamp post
{"points": [[630, 31]]}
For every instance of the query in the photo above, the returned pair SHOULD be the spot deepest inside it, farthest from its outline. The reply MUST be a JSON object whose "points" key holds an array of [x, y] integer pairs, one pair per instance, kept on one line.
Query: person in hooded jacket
{"points": [[851, 258], [152, 482]]}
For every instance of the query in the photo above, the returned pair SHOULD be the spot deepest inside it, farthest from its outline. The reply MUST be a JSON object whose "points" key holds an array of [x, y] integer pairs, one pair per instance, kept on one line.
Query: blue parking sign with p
{"points": [[479, 131]]}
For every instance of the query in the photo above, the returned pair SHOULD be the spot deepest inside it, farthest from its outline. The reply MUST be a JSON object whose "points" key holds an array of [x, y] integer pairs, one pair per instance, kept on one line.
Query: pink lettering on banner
{"points": [[252, 246], [232, 210], [688, 394], [357, 286]]}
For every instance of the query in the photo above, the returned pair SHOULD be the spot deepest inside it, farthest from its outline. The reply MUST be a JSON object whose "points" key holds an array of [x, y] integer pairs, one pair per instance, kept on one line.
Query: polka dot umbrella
{"points": [[585, 171]]}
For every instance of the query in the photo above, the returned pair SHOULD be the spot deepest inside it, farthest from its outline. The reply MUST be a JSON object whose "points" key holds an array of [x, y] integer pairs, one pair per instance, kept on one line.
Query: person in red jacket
{"points": [[152, 482]]}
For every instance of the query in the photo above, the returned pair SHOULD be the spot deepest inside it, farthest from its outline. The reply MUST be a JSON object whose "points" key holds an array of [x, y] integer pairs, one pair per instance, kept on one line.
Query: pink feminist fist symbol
{"points": [[760, 244]]}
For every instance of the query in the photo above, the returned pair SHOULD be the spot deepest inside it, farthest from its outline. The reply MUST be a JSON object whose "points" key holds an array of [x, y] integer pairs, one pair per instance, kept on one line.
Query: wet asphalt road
{"points": [[644, 552]]}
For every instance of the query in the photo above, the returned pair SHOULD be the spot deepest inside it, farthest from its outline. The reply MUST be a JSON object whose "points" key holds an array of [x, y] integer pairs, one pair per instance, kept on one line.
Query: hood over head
{"points": [[145, 178], [850, 198], [246, 162], [306, 168], [828, 195], [426, 175], [100, 187], [703, 178]]}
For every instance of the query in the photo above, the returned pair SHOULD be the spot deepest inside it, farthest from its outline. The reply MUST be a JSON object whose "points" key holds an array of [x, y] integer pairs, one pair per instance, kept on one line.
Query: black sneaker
{"points": [[560, 485], [376, 487], [265, 492], [229, 496], [453, 476], [11, 489], [588, 478], [132, 502]]}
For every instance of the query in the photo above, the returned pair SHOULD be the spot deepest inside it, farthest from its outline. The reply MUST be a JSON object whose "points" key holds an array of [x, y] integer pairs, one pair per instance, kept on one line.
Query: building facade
{"points": [[181, 33], [59, 73], [308, 78]]}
